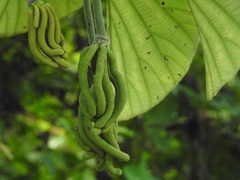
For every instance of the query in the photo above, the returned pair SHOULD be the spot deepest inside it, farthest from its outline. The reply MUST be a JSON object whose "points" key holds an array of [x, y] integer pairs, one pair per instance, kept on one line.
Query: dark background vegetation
{"points": [[183, 138]]}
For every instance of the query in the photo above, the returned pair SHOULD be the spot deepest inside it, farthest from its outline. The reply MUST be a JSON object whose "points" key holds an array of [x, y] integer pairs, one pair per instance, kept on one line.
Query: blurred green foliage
{"points": [[184, 137]]}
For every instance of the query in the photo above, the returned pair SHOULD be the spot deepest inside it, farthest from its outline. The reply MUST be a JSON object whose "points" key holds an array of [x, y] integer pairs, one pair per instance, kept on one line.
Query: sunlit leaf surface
{"points": [[218, 22], [154, 42]]}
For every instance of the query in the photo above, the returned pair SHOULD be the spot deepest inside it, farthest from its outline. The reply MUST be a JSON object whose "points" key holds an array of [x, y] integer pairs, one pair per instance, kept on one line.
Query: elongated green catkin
{"points": [[83, 53], [33, 45], [84, 135], [110, 99], [60, 61], [42, 32], [110, 168], [82, 105], [98, 80], [120, 88], [110, 137], [57, 24], [115, 129], [36, 16], [81, 142], [116, 153], [83, 79], [51, 29]]}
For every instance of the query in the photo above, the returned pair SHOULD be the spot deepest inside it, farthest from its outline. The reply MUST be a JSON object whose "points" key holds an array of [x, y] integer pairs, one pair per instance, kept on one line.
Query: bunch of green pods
{"points": [[102, 98], [46, 41]]}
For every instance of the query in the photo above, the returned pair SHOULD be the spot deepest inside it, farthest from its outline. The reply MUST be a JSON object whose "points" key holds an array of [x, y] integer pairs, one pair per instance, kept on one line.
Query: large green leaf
{"points": [[218, 22], [154, 42], [14, 14]]}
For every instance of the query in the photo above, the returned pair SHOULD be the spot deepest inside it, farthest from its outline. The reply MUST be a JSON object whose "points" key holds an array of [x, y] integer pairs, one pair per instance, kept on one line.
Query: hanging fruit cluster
{"points": [[46, 41], [102, 98]]}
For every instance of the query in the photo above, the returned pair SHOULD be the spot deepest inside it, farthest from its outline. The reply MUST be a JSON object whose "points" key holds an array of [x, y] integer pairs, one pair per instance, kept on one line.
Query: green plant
{"points": [[154, 43], [46, 42]]}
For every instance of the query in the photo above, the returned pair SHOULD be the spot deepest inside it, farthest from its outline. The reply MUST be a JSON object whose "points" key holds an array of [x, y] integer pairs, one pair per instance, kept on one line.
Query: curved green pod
{"points": [[83, 78], [80, 141], [33, 45], [110, 99], [52, 28], [120, 88], [110, 168], [85, 137], [98, 80], [36, 16], [110, 137], [57, 24], [61, 61], [93, 134], [41, 35]]}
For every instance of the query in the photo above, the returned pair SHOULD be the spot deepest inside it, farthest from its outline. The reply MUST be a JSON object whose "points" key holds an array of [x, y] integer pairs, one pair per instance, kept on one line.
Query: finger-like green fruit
{"points": [[83, 78], [110, 137], [51, 29], [115, 129], [98, 78], [46, 49], [110, 99], [36, 15], [83, 53], [80, 141], [84, 135], [109, 149], [60, 61], [110, 168], [120, 88], [83, 105], [57, 24]]}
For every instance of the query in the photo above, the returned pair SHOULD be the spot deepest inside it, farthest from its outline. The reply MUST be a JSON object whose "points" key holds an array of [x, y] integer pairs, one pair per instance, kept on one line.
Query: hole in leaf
{"points": [[166, 58], [148, 37]]}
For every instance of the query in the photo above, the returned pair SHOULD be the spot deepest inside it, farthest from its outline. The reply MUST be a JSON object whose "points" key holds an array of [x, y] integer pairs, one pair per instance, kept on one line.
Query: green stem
{"points": [[89, 20], [101, 33], [30, 2]]}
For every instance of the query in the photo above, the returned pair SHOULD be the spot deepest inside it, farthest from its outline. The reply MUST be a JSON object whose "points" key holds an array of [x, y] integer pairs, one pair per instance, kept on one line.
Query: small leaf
{"points": [[14, 14], [219, 27], [154, 42]]}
